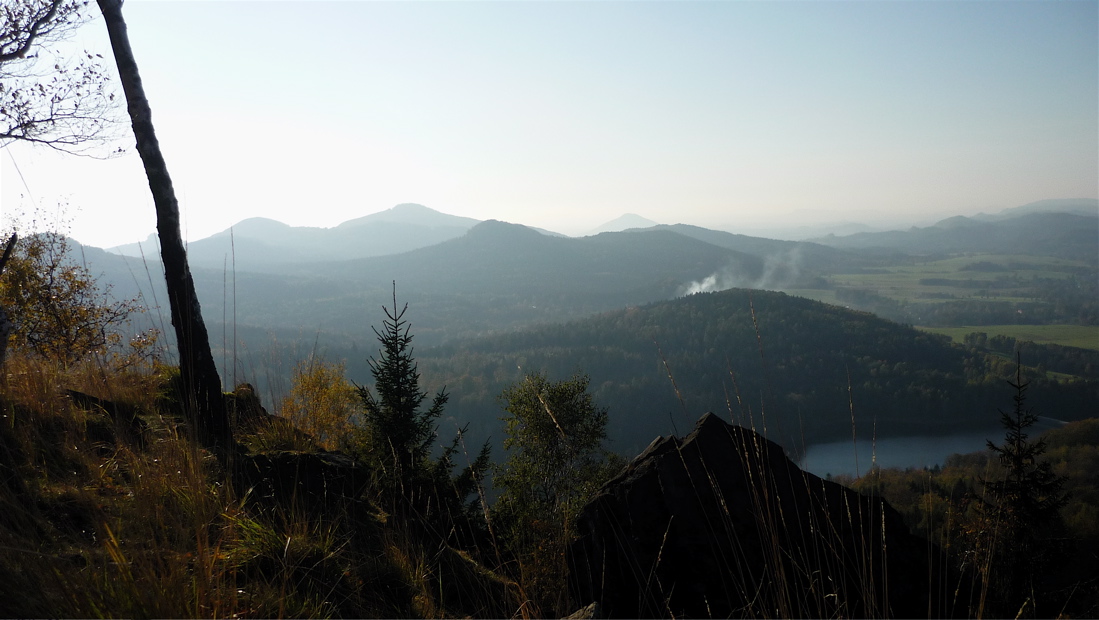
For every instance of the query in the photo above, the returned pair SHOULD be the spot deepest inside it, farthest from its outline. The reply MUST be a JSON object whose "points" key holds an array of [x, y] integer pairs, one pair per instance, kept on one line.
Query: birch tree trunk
{"points": [[203, 400]]}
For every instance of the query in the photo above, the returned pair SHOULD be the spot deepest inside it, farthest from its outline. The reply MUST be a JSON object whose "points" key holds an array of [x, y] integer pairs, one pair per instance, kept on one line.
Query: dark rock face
{"points": [[244, 408], [314, 481], [722, 523], [128, 426]]}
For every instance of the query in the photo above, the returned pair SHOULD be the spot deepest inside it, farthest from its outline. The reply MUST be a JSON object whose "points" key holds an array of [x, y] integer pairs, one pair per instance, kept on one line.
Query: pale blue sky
{"points": [[567, 114]]}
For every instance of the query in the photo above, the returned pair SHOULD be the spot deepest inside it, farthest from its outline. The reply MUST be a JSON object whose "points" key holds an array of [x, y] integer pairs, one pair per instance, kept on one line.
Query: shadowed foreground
{"points": [[721, 523]]}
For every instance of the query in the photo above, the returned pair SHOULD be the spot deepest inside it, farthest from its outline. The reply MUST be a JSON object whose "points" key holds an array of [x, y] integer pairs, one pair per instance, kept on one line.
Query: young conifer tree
{"points": [[399, 433], [397, 436], [1024, 504]]}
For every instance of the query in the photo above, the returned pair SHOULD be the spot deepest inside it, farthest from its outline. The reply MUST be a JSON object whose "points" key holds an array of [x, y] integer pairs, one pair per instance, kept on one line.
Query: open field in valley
{"points": [[1082, 336]]}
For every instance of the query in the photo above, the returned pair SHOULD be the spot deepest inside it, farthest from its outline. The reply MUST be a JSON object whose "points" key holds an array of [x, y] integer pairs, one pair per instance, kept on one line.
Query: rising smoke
{"points": [[780, 271]]}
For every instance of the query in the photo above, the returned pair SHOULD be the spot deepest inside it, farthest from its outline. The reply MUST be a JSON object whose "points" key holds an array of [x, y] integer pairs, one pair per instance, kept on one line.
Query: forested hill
{"points": [[497, 257], [795, 255], [793, 378], [495, 277]]}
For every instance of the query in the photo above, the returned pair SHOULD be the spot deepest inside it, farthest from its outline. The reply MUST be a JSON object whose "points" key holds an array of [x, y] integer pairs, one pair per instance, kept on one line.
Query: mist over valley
{"points": [[490, 301], [683, 309]]}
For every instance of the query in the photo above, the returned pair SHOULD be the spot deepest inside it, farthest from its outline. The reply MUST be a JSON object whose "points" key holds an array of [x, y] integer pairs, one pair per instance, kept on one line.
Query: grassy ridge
{"points": [[107, 515]]}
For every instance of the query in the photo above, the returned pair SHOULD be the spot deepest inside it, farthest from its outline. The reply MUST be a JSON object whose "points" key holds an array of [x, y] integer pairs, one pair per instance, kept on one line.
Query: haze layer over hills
{"points": [[264, 244], [503, 299]]}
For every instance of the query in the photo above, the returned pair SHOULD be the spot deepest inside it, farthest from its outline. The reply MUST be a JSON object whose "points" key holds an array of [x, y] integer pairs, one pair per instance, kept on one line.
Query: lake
{"points": [[920, 451]]}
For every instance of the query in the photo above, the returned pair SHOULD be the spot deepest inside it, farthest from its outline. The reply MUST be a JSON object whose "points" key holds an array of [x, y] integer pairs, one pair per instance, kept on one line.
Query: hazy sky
{"points": [[567, 114]]}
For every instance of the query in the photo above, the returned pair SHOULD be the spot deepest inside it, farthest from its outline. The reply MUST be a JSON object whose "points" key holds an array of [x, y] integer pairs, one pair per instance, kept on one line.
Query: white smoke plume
{"points": [[779, 271]]}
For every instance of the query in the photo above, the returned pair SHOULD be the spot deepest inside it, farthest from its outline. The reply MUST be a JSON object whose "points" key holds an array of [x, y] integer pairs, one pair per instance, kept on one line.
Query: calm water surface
{"points": [[920, 451]]}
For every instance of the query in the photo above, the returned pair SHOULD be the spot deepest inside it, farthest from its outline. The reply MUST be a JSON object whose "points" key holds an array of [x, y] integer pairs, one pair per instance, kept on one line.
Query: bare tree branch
{"points": [[64, 103], [18, 37]]}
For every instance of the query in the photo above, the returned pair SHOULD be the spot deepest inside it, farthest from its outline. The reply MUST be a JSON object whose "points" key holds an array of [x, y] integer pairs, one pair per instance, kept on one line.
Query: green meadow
{"points": [[1082, 336], [1004, 277]]}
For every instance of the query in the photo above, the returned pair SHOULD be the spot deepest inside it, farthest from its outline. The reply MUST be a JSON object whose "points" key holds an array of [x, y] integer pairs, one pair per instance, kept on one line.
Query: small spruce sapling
{"points": [[398, 434], [1024, 503]]}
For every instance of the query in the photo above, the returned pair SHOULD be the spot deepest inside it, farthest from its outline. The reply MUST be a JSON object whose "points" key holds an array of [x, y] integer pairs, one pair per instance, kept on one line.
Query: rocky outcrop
{"points": [[721, 523], [246, 413], [127, 423], [309, 480], [313, 480]]}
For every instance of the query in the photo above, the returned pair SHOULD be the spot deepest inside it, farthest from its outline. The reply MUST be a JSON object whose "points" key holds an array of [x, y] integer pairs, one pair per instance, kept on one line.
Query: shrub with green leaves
{"points": [[556, 462], [58, 309]]}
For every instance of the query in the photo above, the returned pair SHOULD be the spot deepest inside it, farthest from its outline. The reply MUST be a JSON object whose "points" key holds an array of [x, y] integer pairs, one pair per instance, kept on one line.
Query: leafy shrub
{"points": [[59, 310], [322, 402]]}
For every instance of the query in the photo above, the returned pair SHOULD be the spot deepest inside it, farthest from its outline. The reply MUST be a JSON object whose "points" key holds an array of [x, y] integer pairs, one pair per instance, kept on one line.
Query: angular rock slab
{"points": [[722, 524]]}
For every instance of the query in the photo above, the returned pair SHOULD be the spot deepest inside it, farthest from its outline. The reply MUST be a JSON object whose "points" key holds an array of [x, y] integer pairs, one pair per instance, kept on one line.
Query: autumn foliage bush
{"points": [[322, 402], [58, 309]]}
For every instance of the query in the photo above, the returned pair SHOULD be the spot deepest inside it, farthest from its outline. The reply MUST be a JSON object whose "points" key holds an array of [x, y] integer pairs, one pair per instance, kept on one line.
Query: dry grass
{"points": [[98, 523], [96, 520]]}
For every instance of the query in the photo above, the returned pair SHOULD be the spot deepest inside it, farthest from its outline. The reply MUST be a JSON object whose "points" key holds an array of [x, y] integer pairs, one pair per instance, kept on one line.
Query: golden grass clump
{"points": [[99, 521]]}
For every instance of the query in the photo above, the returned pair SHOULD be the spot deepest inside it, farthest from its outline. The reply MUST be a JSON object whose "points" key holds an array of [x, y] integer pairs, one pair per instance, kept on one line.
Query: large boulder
{"points": [[721, 523]]}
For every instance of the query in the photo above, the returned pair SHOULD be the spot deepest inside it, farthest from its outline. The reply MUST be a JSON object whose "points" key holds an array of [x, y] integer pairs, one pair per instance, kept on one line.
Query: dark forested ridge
{"points": [[793, 379]]}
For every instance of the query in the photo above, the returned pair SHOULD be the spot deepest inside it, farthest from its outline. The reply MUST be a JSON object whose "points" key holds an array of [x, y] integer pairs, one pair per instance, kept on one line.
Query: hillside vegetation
{"points": [[494, 277], [798, 367], [376, 501], [110, 509], [934, 502]]}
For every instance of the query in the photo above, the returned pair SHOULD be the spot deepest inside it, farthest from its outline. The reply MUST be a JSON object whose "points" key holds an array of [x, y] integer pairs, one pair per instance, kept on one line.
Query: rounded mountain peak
{"points": [[412, 213]]}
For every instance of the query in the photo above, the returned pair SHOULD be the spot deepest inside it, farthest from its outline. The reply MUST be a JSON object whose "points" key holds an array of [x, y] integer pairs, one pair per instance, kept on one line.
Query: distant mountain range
{"points": [[803, 255], [497, 276], [1077, 206], [261, 244], [1026, 230], [500, 280], [490, 276]]}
